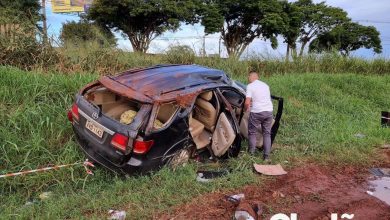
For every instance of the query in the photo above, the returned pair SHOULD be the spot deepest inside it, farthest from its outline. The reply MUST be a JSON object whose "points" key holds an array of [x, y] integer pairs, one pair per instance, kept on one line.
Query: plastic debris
{"points": [[117, 215], [380, 172], [244, 211], [236, 198], [271, 170], [359, 135], [370, 193], [86, 165], [45, 195], [243, 215], [207, 176], [31, 202], [200, 178]]}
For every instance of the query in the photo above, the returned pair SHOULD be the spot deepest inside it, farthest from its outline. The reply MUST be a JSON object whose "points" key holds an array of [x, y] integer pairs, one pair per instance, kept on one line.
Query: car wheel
{"points": [[179, 158]]}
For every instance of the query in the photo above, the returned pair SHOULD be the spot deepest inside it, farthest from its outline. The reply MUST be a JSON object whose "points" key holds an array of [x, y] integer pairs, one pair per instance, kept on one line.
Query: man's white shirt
{"points": [[260, 94]]}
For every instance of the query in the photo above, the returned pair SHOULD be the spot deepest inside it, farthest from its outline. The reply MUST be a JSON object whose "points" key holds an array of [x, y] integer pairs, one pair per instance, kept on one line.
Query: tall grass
{"points": [[323, 113], [91, 57]]}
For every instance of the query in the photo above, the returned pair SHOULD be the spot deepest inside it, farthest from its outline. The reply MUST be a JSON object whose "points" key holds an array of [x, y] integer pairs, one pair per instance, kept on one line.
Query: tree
{"points": [[21, 10], [19, 17], [293, 18], [348, 37], [142, 21], [83, 31], [240, 22], [318, 19]]}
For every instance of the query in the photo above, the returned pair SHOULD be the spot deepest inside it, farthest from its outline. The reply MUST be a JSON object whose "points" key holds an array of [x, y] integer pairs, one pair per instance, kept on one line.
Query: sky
{"points": [[366, 12]]}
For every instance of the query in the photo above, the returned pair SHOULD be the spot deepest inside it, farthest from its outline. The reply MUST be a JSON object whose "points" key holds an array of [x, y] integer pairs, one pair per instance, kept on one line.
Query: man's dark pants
{"points": [[257, 121]]}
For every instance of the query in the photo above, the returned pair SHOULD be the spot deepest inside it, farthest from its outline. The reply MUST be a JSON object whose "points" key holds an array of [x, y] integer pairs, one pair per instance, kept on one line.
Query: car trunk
{"points": [[110, 123]]}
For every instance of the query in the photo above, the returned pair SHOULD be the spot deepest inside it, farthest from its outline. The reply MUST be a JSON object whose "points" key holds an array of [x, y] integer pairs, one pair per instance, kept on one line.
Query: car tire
{"points": [[179, 158]]}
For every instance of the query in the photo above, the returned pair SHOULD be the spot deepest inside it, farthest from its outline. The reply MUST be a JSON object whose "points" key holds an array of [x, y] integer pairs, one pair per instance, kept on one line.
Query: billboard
{"points": [[69, 6]]}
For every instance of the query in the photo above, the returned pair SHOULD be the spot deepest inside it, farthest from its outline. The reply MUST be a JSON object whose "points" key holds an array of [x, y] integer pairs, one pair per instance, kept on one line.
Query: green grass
{"points": [[323, 113]]}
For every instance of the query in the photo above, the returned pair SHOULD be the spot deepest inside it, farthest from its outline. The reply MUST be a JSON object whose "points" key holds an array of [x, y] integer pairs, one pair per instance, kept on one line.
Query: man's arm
{"points": [[247, 106]]}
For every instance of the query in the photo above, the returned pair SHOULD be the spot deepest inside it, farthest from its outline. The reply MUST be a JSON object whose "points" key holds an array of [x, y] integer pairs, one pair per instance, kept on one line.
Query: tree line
{"points": [[303, 25], [312, 26]]}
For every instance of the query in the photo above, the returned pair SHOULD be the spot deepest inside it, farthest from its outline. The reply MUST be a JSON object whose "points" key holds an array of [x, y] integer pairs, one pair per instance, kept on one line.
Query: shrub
{"points": [[80, 32], [21, 48], [181, 54]]}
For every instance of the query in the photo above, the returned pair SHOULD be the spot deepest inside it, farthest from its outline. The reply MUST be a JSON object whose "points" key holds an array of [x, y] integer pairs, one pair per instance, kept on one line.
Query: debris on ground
{"points": [[277, 194], [385, 119], [270, 170], [117, 215], [207, 176], [242, 215], [45, 195], [31, 202], [380, 189], [311, 191], [245, 211], [236, 198], [386, 146], [359, 135], [380, 172]]}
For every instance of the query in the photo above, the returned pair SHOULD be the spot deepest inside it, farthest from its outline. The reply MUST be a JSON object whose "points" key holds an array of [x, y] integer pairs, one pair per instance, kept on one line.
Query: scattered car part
{"points": [[385, 119], [117, 215], [380, 172], [207, 176], [270, 170], [236, 198]]}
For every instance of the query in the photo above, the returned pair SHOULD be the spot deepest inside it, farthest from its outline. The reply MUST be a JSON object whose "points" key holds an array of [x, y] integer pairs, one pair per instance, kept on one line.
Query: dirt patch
{"points": [[311, 191]]}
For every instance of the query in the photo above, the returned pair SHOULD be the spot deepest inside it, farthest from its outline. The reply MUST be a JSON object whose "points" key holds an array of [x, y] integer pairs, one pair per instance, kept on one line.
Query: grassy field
{"points": [[323, 113]]}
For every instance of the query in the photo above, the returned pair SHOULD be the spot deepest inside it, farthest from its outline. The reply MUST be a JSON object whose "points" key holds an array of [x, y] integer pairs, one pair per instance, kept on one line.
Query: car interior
{"points": [[203, 119], [208, 127], [165, 114], [111, 104]]}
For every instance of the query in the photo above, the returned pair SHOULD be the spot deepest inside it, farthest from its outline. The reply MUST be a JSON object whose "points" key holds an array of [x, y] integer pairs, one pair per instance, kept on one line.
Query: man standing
{"points": [[258, 102]]}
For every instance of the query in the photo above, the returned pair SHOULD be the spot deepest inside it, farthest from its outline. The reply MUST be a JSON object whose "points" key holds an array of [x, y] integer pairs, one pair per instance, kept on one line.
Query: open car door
{"points": [[223, 136], [275, 123], [226, 130]]}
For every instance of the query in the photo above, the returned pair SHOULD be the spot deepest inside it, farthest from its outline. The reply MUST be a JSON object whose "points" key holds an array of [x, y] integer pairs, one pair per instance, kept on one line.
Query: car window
{"points": [[165, 114], [233, 97]]}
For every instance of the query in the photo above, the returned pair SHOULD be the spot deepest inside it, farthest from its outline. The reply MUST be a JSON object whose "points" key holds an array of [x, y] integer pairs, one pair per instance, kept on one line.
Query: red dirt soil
{"points": [[311, 191]]}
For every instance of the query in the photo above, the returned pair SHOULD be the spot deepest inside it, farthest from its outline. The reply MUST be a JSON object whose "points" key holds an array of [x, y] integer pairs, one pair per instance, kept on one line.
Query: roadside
{"points": [[312, 191]]}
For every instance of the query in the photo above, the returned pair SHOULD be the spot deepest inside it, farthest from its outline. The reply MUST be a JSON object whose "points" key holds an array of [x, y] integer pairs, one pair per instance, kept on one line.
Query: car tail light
{"points": [[142, 147], [73, 113], [120, 141], [70, 117]]}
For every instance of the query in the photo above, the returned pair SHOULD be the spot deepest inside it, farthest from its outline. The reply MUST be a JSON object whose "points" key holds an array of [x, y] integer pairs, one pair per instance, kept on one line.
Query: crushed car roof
{"points": [[164, 81]]}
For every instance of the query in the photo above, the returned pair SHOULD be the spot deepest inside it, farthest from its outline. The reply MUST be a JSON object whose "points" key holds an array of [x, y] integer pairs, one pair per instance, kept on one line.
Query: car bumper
{"points": [[132, 164]]}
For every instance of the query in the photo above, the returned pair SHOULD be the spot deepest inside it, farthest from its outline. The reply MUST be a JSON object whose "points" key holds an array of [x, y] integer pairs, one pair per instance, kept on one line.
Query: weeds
{"points": [[91, 57]]}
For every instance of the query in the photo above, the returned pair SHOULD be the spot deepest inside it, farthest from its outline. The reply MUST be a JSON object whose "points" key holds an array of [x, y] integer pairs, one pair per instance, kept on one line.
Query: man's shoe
{"points": [[267, 160], [252, 151]]}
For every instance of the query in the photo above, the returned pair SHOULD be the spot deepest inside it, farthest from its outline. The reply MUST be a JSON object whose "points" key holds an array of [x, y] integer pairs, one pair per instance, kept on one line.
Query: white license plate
{"points": [[98, 131]]}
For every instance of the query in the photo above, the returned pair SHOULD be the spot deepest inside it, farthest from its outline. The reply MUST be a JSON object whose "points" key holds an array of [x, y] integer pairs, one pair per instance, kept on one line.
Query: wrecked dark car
{"points": [[142, 119]]}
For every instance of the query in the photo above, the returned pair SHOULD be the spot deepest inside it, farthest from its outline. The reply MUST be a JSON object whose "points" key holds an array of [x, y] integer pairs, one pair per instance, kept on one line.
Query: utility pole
{"points": [[45, 39], [204, 45], [219, 47]]}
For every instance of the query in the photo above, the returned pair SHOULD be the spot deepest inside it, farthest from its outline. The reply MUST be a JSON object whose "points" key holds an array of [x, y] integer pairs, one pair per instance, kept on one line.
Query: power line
{"points": [[372, 21]]}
